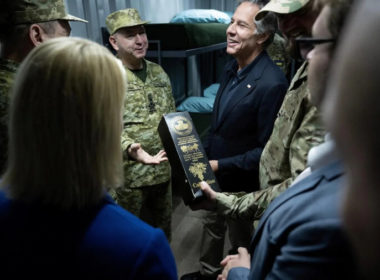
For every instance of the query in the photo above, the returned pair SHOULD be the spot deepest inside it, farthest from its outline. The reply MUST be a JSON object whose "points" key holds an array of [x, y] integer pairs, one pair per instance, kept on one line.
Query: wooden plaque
{"points": [[186, 155]]}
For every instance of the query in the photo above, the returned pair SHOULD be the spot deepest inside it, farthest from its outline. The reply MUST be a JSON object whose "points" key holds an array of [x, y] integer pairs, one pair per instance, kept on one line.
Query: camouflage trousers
{"points": [[152, 204], [212, 246]]}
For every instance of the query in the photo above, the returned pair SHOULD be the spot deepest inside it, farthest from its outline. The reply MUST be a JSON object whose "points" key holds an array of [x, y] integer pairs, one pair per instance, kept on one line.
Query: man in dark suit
{"points": [[250, 95], [297, 241], [300, 235]]}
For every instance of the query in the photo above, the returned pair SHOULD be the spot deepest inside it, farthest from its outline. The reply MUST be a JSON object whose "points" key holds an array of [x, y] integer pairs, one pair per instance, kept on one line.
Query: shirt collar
{"points": [[233, 71]]}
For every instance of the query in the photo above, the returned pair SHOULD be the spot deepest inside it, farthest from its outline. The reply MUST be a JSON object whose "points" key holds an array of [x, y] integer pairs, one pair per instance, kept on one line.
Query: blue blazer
{"points": [[237, 137], [300, 235], [104, 242]]}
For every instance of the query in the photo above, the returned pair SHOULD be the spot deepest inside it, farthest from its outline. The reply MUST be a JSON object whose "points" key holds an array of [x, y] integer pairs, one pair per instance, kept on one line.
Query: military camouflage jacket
{"points": [[7, 72], [278, 53], [298, 128], [145, 103]]}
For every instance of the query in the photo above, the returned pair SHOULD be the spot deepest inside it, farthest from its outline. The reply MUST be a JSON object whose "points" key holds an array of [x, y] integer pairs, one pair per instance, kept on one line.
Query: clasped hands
{"points": [[241, 259]]}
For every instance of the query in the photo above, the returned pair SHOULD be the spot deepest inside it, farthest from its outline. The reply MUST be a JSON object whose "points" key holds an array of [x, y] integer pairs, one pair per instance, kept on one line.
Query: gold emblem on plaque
{"points": [[181, 126], [190, 148], [198, 170]]}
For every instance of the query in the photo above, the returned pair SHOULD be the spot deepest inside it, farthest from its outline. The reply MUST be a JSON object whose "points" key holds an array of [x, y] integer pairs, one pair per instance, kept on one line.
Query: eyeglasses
{"points": [[305, 45]]}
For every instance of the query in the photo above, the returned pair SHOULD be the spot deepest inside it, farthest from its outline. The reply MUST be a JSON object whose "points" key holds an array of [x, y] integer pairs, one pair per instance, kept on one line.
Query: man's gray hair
{"points": [[268, 24]]}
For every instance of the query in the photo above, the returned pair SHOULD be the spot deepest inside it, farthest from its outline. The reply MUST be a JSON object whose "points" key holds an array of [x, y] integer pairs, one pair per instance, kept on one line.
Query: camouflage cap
{"points": [[281, 7], [123, 18], [32, 11]]}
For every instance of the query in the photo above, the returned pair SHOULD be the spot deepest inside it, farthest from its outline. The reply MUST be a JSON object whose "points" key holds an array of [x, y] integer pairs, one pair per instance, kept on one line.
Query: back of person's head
{"points": [[65, 125], [353, 112]]}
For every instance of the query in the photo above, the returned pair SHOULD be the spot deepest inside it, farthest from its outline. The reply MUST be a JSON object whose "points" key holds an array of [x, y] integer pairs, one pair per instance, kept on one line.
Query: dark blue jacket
{"points": [[237, 137], [300, 235], [104, 242]]}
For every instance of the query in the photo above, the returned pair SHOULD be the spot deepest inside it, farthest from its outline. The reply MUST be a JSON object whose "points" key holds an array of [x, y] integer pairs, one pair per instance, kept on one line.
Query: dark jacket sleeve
{"points": [[238, 273], [314, 250]]}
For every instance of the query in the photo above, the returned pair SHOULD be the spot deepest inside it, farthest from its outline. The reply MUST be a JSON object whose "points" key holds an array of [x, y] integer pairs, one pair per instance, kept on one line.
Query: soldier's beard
{"points": [[291, 48]]}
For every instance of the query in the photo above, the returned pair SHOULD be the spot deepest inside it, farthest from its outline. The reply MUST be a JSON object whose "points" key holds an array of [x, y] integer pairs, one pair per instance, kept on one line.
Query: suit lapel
{"points": [[217, 101], [329, 172], [236, 99], [247, 87]]}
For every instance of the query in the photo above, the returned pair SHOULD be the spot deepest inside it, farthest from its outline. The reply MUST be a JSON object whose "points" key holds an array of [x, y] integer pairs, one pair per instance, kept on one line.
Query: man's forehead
{"points": [[244, 14], [132, 29]]}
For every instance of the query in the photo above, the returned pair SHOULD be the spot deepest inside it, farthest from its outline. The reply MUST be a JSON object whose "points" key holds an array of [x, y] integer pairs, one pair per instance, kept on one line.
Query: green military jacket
{"points": [[297, 129], [144, 105], [278, 53], [8, 70]]}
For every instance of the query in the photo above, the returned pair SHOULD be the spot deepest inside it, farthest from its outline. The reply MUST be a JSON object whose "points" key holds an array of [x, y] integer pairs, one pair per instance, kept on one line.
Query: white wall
{"points": [[155, 11]]}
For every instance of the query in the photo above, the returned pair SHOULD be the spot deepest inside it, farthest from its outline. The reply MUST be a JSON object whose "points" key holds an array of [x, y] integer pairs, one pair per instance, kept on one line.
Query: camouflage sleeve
{"points": [[251, 206], [311, 133], [237, 205]]}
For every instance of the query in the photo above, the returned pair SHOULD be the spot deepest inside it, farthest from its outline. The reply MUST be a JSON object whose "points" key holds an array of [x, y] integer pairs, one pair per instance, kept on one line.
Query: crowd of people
{"points": [[86, 189]]}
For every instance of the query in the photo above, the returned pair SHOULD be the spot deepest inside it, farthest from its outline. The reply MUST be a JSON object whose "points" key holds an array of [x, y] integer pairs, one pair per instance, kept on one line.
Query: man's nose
{"points": [[138, 38], [231, 29]]}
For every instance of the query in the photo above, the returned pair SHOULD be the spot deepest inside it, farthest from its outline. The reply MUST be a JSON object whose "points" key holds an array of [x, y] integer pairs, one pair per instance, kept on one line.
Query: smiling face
{"points": [[297, 25], [131, 44], [319, 58], [241, 38]]}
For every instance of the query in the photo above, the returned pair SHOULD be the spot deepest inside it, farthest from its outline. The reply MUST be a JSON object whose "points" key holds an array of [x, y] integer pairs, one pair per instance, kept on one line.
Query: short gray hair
{"points": [[268, 24]]}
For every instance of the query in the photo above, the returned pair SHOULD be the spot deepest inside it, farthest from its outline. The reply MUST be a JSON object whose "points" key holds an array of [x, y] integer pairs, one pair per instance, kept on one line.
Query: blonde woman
{"points": [[56, 218]]}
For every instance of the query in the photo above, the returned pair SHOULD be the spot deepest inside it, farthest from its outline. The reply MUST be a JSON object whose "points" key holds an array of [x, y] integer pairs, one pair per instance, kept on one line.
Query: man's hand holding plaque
{"points": [[209, 203]]}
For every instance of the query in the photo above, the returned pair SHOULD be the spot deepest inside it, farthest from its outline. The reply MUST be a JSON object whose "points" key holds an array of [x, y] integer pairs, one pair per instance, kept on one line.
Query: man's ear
{"points": [[262, 38], [113, 41], [36, 34]]}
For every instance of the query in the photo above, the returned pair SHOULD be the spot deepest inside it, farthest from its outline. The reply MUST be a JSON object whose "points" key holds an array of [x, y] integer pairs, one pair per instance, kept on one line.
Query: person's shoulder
{"points": [[153, 66], [271, 69], [3, 199], [125, 243], [156, 71], [124, 222], [117, 233], [315, 198]]}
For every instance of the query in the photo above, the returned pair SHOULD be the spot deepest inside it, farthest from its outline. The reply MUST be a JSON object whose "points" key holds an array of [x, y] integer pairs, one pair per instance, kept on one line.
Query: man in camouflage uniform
{"points": [[147, 189], [298, 126], [24, 24]]}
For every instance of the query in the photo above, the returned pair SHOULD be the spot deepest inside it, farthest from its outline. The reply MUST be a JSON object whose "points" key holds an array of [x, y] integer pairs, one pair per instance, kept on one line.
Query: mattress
{"points": [[182, 36]]}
